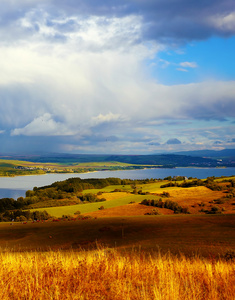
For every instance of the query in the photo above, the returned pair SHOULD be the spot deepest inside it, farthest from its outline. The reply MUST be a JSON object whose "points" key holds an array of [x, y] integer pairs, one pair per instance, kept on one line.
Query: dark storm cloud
{"points": [[168, 21], [221, 110]]}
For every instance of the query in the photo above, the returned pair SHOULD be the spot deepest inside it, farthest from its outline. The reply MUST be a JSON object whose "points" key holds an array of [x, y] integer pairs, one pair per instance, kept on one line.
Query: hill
{"points": [[161, 160]]}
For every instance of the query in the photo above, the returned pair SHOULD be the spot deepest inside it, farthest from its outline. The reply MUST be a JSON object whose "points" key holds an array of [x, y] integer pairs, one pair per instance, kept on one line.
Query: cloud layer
{"points": [[161, 19], [76, 71]]}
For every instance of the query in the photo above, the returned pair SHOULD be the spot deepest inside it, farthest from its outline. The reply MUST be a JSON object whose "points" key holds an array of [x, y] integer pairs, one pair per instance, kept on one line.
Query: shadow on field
{"points": [[204, 235]]}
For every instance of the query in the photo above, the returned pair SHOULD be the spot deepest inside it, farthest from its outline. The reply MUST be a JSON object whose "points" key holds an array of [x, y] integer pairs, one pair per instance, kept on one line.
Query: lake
{"points": [[14, 187]]}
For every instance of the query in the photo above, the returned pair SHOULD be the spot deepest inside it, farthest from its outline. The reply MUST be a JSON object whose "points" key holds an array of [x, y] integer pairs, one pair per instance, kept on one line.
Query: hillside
{"points": [[115, 197], [161, 160]]}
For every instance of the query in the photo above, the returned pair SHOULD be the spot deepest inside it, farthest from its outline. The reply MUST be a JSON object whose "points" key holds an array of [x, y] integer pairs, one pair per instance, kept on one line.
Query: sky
{"points": [[123, 77]]}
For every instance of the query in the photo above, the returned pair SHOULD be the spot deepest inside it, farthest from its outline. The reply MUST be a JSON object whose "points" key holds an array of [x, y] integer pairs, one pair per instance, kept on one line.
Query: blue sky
{"points": [[125, 77], [213, 60]]}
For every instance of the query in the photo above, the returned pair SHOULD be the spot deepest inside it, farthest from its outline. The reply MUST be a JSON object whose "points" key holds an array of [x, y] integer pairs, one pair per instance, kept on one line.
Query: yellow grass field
{"points": [[107, 274]]}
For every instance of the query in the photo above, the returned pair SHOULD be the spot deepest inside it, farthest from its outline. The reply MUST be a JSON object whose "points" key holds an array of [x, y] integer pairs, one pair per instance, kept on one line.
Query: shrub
{"points": [[101, 207], [102, 200], [219, 201], [214, 210], [167, 204], [153, 212], [229, 255], [66, 216], [166, 194]]}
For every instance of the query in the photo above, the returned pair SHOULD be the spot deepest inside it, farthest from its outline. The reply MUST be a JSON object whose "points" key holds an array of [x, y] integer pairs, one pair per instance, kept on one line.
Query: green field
{"points": [[109, 189], [91, 207]]}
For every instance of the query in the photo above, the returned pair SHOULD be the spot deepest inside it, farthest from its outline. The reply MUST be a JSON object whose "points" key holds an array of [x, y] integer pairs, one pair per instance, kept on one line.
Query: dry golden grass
{"points": [[197, 192], [193, 196], [186, 197], [113, 196], [107, 274]]}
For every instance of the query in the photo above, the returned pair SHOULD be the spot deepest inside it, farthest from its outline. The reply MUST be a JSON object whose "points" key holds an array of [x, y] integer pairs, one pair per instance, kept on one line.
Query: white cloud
{"points": [[223, 22], [182, 70], [110, 117], [188, 64], [42, 126]]}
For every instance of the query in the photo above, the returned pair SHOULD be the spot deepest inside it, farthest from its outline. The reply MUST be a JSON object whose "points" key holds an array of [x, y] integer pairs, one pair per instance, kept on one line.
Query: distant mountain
{"points": [[195, 159], [219, 154]]}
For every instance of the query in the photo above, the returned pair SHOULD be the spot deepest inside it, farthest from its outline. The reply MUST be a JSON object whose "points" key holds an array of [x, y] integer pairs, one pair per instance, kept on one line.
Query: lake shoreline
{"points": [[14, 187], [152, 168]]}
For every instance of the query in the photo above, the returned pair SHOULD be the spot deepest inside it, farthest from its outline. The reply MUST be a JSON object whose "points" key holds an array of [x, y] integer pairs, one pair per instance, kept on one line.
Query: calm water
{"points": [[14, 187]]}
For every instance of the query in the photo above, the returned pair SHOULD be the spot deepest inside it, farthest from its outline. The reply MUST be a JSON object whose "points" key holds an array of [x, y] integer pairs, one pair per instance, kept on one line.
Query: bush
{"points": [[167, 204], [229, 255], [214, 210], [66, 216], [153, 212], [166, 194], [101, 207], [219, 201]]}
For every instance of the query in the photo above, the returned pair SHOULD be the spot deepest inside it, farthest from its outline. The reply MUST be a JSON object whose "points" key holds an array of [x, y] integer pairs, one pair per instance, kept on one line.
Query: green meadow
{"points": [[91, 207]]}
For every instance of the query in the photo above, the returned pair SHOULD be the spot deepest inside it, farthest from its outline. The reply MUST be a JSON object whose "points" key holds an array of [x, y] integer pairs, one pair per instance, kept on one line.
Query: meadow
{"points": [[86, 208]]}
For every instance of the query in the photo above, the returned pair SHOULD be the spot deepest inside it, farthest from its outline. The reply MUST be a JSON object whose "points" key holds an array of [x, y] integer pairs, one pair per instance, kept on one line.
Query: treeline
{"points": [[77, 185], [209, 183], [67, 189], [9, 204], [166, 204], [21, 216], [15, 172]]}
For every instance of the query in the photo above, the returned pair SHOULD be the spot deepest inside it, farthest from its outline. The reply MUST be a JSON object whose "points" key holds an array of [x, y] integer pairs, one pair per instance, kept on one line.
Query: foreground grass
{"points": [[107, 274]]}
